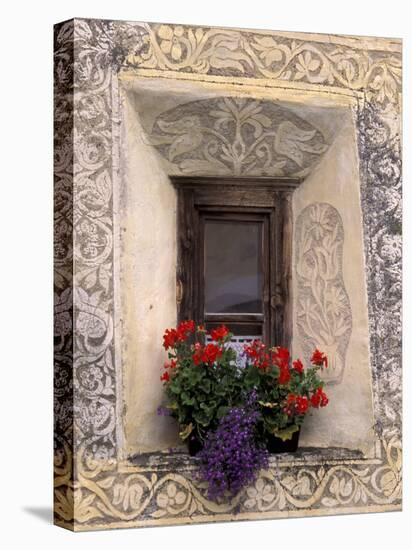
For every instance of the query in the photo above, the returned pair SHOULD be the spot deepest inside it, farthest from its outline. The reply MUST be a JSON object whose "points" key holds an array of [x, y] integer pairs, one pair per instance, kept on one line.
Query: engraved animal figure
{"points": [[236, 136]]}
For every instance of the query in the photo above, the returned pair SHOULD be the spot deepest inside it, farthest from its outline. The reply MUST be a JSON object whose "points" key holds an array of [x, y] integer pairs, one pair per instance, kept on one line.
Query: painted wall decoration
{"points": [[323, 309], [95, 486], [267, 55], [234, 136]]}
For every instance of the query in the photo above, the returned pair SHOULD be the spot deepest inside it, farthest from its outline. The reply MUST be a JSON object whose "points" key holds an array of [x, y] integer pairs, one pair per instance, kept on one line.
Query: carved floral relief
{"points": [[324, 317], [205, 50]]}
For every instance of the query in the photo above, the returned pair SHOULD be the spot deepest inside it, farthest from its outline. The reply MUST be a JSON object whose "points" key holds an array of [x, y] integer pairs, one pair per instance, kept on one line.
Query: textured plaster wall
{"points": [[94, 487], [148, 263], [147, 285], [348, 419]]}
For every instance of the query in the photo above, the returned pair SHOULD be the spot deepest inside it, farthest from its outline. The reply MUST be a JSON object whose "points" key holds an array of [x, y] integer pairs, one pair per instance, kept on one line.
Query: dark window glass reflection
{"points": [[233, 267]]}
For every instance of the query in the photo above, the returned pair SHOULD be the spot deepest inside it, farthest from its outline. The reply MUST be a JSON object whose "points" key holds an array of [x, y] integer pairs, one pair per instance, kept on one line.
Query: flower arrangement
{"points": [[285, 392], [201, 380], [232, 415]]}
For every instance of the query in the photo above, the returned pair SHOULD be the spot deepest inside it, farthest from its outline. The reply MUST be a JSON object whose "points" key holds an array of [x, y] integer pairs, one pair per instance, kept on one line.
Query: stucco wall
{"points": [[95, 486], [334, 184], [148, 263], [147, 285]]}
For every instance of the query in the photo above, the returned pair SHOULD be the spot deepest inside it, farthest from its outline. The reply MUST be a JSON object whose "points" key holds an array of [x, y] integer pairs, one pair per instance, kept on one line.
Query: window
{"points": [[234, 255]]}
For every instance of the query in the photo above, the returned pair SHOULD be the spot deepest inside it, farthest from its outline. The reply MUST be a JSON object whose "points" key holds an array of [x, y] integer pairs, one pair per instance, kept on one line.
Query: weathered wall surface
{"points": [[170, 130], [96, 487], [147, 285], [330, 299]]}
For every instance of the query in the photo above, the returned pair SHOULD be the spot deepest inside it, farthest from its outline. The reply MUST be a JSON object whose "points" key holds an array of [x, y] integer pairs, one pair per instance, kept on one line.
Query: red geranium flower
{"points": [[254, 349], [302, 404], [319, 358], [264, 361], [298, 366], [169, 338], [187, 326], [172, 336], [207, 354], [324, 400], [171, 365], [281, 356], [284, 374], [297, 403], [197, 356], [165, 377], [319, 399], [184, 329], [219, 334], [257, 352], [211, 353]]}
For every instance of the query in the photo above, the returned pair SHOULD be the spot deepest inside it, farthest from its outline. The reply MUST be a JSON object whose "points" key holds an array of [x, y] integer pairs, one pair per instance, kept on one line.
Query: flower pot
{"points": [[194, 445], [277, 445]]}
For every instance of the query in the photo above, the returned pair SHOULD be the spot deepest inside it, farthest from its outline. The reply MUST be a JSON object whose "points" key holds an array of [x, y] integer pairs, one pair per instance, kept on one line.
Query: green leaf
{"points": [[186, 399], [186, 431], [286, 433], [221, 411], [252, 377], [201, 418], [220, 390], [206, 386]]}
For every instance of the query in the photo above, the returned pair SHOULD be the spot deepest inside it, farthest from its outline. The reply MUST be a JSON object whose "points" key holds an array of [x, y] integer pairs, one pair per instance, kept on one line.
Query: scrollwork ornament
{"points": [[224, 51], [94, 486]]}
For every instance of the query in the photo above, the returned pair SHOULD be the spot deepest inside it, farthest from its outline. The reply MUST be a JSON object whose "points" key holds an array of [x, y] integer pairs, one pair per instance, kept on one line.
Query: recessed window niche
{"points": [[179, 130]]}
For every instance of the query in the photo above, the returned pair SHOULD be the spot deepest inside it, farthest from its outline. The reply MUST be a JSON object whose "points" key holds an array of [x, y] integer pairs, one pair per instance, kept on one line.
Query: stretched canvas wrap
{"points": [[156, 121]]}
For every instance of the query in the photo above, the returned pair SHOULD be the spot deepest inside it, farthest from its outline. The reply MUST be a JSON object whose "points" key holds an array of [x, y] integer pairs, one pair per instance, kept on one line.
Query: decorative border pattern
{"points": [[271, 56], [93, 488]]}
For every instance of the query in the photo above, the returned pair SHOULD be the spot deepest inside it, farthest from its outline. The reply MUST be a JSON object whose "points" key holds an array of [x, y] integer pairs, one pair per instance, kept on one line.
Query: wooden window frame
{"points": [[269, 199]]}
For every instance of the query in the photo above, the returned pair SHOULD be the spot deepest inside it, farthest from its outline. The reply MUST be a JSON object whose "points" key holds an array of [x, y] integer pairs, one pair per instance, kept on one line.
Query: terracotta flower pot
{"points": [[277, 445]]}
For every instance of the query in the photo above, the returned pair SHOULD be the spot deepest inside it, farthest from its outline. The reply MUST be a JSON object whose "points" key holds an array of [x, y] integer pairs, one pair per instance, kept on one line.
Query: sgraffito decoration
{"points": [[237, 136], [271, 56], [324, 316], [94, 486]]}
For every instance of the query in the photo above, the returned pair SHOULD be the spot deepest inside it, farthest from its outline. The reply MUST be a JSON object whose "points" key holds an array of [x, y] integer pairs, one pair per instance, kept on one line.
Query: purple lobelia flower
{"points": [[163, 411], [231, 457]]}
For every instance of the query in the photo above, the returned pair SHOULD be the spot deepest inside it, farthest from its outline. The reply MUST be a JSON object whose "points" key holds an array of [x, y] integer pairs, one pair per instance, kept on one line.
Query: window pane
{"points": [[233, 267]]}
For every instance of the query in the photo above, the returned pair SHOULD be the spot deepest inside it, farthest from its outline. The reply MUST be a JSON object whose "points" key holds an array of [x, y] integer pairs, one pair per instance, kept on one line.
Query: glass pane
{"points": [[233, 267]]}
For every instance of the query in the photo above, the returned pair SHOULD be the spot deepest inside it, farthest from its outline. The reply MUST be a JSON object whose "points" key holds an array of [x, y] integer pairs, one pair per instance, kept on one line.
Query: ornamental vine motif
{"points": [[237, 136], [323, 312], [104, 494], [241, 53], [92, 488]]}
